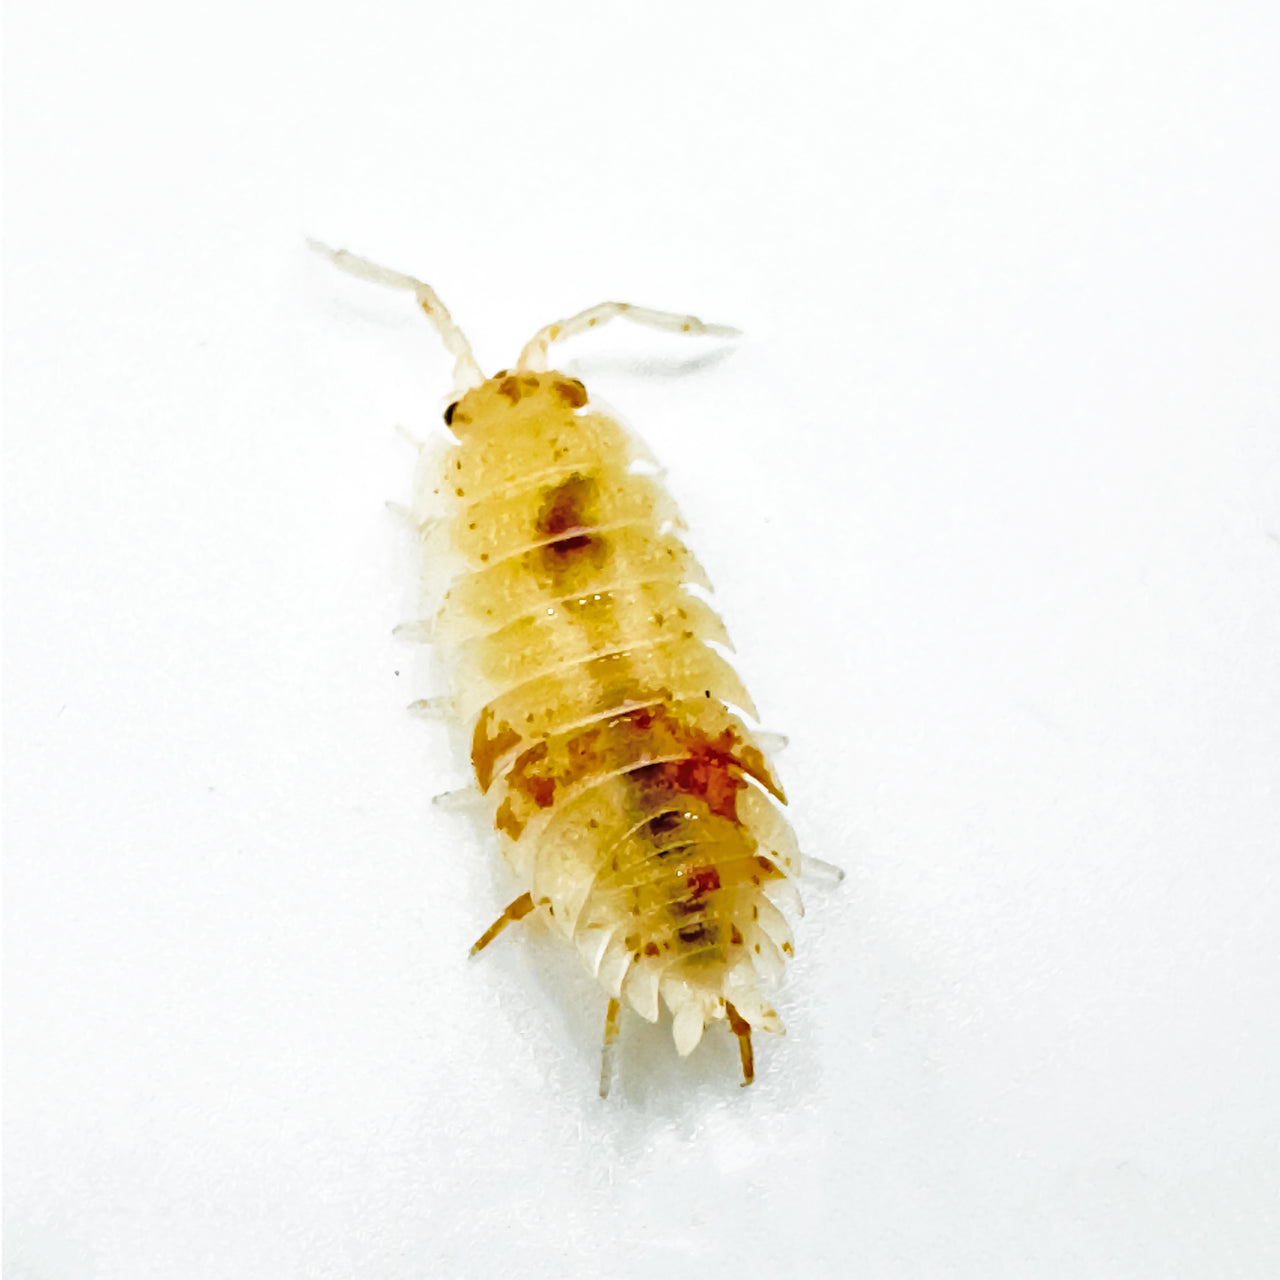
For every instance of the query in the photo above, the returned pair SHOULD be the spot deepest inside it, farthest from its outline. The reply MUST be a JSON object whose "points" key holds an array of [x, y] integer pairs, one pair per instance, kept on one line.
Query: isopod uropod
{"points": [[632, 801]]}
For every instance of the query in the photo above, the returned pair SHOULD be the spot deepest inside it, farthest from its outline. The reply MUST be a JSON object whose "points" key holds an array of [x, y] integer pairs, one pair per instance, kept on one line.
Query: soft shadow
{"points": [[650, 366]]}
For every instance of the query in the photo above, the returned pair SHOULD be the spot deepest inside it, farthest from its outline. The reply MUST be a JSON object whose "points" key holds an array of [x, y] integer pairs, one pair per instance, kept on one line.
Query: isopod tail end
{"points": [[612, 1023], [687, 1027], [742, 1029], [516, 911]]}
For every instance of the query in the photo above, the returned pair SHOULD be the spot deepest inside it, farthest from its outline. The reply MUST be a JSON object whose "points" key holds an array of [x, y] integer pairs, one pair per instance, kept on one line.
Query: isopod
{"points": [[584, 666]]}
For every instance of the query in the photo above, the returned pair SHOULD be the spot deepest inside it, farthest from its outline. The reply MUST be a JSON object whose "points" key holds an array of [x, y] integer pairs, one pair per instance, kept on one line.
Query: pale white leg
{"points": [[409, 438], [463, 800], [612, 1023], [430, 708], [419, 631], [820, 872], [404, 515], [534, 357], [466, 372]]}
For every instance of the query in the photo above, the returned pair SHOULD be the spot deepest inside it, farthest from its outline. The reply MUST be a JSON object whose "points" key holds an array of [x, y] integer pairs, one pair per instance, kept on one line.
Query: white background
{"points": [[991, 493]]}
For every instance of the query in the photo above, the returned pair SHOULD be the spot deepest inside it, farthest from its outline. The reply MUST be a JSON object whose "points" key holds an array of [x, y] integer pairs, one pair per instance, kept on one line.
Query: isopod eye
{"points": [[448, 414]]}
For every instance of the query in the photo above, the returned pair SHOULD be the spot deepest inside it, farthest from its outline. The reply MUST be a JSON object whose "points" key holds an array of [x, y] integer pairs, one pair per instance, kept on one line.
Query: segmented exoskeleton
{"points": [[635, 804]]}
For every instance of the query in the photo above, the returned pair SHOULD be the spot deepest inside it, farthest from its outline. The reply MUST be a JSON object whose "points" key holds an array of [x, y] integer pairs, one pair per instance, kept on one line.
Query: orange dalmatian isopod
{"points": [[632, 800]]}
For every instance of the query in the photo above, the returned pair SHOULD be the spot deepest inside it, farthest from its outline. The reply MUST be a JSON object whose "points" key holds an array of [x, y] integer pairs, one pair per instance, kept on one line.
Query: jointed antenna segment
{"points": [[466, 372], [534, 357]]}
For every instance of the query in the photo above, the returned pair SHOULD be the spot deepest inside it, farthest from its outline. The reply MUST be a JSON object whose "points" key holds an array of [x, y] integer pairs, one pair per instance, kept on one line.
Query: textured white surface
{"points": [[991, 494]]}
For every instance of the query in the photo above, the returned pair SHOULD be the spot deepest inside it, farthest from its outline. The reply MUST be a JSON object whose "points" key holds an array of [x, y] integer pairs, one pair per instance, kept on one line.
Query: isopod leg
{"points": [[534, 357], [820, 872], [431, 708], [612, 1020], [516, 911], [459, 801], [742, 1029]]}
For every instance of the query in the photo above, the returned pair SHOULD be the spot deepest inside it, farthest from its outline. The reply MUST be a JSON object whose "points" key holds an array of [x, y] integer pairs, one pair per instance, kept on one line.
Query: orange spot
{"points": [[694, 935], [567, 510], [571, 391], [566, 504], [686, 907], [486, 751], [588, 754], [754, 763], [539, 789], [563, 548], [702, 880], [710, 771], [512, 387], [506, 820], [664, 823]]}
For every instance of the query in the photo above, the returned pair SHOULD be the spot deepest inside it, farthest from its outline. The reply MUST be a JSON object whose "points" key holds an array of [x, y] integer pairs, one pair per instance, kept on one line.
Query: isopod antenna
{"points": [[466, 372]]}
